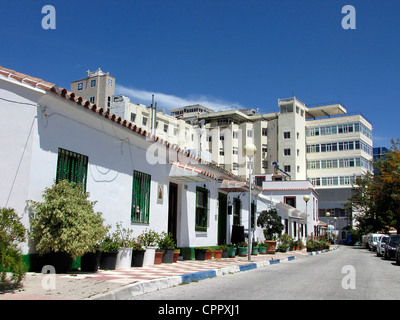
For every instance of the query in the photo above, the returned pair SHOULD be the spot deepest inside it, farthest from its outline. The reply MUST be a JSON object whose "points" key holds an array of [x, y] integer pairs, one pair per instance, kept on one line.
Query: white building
{"points": [[45, 127]]}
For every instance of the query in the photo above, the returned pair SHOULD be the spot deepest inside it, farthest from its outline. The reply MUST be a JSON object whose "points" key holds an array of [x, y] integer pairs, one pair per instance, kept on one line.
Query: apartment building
{"points": [[339, 148], [98, 87], [322, 144]]}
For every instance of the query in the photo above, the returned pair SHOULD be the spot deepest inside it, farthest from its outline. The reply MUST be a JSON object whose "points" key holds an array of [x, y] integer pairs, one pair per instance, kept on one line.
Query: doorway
{"points": [[222, 217], [173, 210]]}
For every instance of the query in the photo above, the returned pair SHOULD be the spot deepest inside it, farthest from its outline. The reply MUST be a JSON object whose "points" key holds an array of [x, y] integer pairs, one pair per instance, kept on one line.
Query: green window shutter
{"points": [[72, 166], [201, 209], [140, 212]]}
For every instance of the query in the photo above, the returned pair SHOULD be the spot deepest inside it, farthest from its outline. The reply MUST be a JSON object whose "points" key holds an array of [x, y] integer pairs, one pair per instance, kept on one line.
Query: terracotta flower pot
{"points": [[271, 248], [158, 257], [217, 254], [209, 255], [176, 255]]}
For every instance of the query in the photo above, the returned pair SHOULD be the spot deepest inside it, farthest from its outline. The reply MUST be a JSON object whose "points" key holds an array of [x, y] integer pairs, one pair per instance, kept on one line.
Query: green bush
{"points": [[66, 221], [12, 232], [271, 223], [166, 241]]}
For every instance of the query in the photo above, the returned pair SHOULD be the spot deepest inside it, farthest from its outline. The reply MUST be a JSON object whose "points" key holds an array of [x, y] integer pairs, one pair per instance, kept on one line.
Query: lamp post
{"points": [[334, 219], [250, 150], [306, 198], [328, 214]]}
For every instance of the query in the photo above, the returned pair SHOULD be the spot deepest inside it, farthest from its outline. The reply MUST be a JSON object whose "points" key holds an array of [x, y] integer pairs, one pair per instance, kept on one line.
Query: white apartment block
{"points": [[322, 144]]}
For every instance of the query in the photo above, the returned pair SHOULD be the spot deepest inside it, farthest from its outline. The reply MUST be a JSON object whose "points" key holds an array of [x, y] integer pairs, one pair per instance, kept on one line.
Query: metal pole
{"points": [[249, 247]]}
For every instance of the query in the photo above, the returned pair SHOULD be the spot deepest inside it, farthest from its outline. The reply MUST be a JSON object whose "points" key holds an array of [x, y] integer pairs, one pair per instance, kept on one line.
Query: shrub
{"points": [[166, 241], [12, 232], [66, 221], [149, 238], [271, 223]]}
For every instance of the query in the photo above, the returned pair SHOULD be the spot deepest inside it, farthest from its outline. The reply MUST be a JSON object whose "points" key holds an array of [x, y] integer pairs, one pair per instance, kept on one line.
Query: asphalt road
{"points": [[349, 273]]}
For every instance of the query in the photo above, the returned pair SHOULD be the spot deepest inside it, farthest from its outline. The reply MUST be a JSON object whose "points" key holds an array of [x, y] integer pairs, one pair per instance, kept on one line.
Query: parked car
{"points": [[380, 249], [391, 246], [397, 255], [373, 239]]}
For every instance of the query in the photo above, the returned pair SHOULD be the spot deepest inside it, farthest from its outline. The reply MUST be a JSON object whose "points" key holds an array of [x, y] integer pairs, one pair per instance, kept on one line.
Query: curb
{"points": [[322, 251], [130, 291]]}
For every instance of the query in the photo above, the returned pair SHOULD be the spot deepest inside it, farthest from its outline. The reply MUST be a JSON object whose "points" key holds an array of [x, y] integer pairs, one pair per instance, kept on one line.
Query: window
{"points": [[92, 83], [286, 152], [286, 135], [265, 131], [235, 150], [291, 201], [201, 209], [165, 128], [133, 117], [235, 134], [249, 133], [92, 99], [144, 121], [264, 148], [221, 152], [286, 168], [140, 197], [260, 180], [72, 166], [80, 85]]}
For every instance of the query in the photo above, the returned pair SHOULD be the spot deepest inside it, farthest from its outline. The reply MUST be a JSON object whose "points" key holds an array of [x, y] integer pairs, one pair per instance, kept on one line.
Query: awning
{"points": [[181, 172], [325, 111], [233, 186]]}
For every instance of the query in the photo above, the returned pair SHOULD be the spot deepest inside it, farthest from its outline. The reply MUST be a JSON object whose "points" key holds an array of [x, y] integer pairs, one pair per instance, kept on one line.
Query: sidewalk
{"points": [[123, 284]]}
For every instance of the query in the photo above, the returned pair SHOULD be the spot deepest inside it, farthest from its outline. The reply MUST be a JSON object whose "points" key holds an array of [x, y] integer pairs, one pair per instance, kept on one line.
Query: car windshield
{"points": [[376, 239], [385, 239]]}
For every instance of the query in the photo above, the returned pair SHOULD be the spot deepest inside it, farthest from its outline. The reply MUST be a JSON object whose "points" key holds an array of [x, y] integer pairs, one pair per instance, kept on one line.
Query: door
{"points": [[222, 217], [173, 210]]}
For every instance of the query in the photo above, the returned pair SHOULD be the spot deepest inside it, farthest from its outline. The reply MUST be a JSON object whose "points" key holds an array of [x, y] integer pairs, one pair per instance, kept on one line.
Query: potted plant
{"points": [[262, 248], [109, 247], [282, 247], [254, 249], [166, 242], [242, 249], [310, 245], [209, 253], [200, 253], [137, 253], [66, 213], [271, 223], [231, 251], [125, 240], [225, 251], [158, 256], [218, 253], [90, 261], [176, 255], [149, 238]]}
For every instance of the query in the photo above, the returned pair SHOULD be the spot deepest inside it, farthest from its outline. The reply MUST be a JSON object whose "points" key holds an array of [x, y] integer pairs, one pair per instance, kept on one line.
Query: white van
{"points": [[373, 240]]}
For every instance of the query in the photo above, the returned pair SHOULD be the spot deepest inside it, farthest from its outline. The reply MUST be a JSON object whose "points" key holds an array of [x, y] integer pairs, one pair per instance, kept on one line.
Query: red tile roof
{"points": [[53, 88]]}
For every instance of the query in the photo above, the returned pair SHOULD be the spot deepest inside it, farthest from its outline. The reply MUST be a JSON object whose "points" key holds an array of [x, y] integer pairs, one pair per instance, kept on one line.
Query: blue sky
{"points": [[218, 53]]}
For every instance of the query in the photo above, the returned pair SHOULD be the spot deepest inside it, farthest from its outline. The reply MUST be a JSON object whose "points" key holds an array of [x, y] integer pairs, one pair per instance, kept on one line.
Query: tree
{"points": [[66, 221], [12, 233], [271, 223], [376, 197]]}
